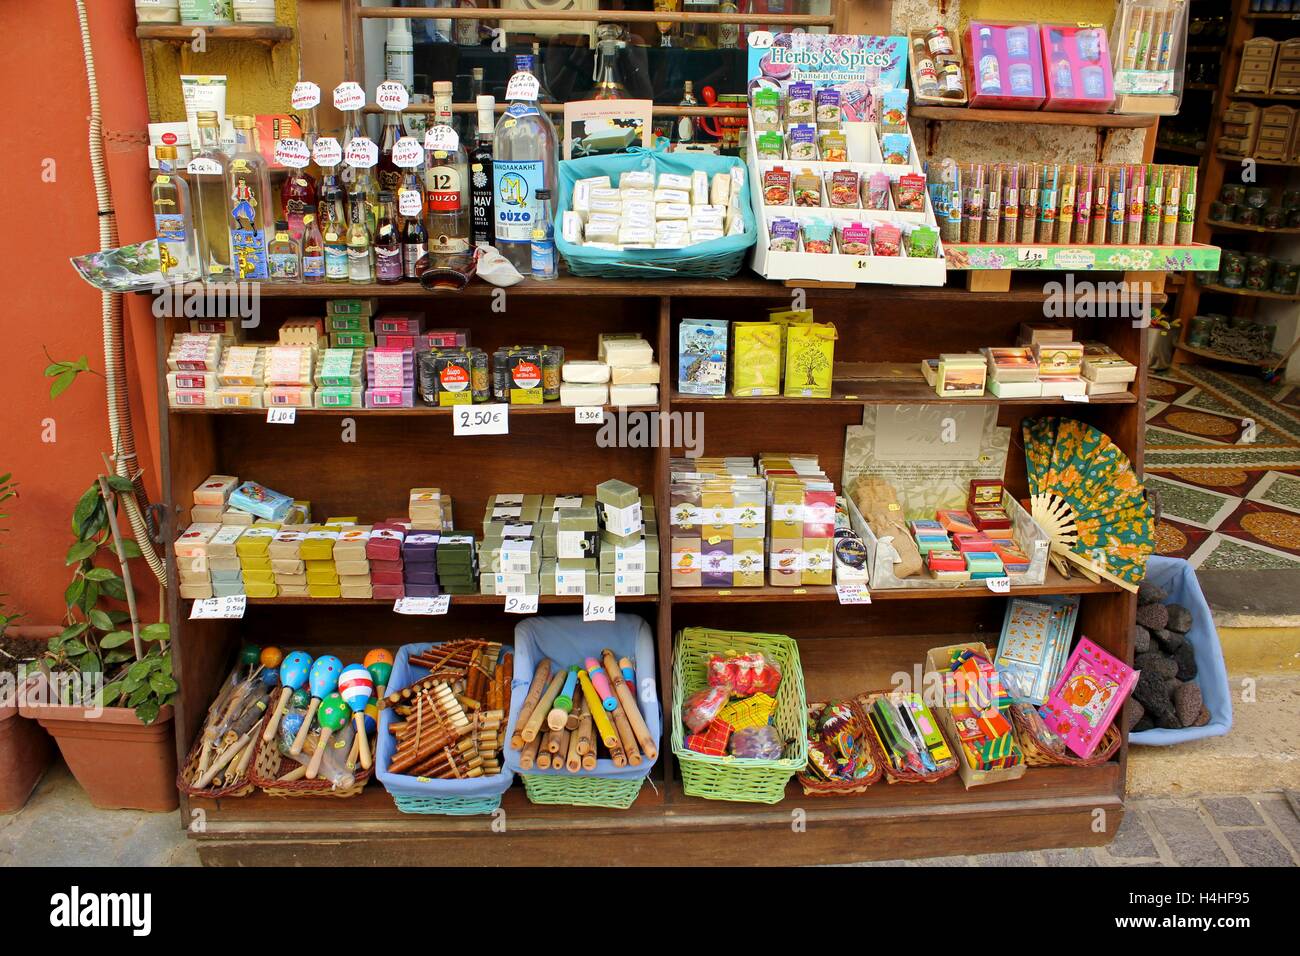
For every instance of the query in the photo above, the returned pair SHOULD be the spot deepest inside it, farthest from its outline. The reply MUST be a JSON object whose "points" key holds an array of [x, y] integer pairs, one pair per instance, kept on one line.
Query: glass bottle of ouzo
{"points": [[524, 162]]}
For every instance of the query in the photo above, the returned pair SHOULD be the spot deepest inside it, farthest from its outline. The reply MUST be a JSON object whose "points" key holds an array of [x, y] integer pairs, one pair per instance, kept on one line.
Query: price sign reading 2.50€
{"points": [[481, 420]]}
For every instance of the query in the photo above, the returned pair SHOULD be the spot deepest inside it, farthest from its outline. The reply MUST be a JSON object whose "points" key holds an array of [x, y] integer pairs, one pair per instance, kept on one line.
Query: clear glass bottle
{"points": [[389, 173], [480, 174], [542, 246], [352, 127], [684, 131], [282, 255], [361, 257], [178, 250], [208, 169], [415, 237], [250, 202], [300, 192], [313, 250], [334, 229], [607, 82], [446, 186], [388, 242], [523, 161]]}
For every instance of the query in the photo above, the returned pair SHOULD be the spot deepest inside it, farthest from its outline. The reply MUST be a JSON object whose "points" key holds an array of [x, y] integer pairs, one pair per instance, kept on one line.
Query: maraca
{"points": [[380, 664], [248, 656], [333, 715], [372, 723], [324, 680], [293, 674], [355, 687], [271, 657]]}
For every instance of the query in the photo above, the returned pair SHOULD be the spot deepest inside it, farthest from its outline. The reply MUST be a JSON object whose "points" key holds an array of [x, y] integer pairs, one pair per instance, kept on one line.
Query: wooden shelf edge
{"points": [[549, 408], [970, 114], [862, 396], [827, 594], [1220, 357], [184, 32], [1251, 293]]}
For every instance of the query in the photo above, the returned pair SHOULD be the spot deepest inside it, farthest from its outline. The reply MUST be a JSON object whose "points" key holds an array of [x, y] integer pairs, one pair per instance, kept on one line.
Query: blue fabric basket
{"points": [[569, 640], [1177, 577], [716, 259], [422, 795]]}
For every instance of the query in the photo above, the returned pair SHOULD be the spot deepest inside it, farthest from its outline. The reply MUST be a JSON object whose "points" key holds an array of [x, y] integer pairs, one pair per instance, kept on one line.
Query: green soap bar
{"points": [[579, 519], [617, 494], [575, 564], [348, 323], [609, 539], [350, 306]]}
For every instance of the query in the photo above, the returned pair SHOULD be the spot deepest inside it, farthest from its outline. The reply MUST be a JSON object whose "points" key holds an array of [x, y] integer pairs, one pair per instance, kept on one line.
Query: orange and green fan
{"points": [[1086, 495]]}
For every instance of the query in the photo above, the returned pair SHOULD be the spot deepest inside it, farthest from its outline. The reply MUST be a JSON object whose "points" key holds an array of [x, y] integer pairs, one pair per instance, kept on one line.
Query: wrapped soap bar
{"points": [[585, 372], [672, 195], [583, 394], [636, 178], [673, 210], [699, 187], [633, 395], [674, 181], [571, 226], [647, 374], [215, 490], [720, 189], [627, 351], [260, 501]]}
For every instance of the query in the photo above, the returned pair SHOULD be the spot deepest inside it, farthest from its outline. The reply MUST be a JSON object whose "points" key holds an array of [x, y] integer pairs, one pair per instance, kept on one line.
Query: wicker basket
{"points": [[936, 661], [269, 765], [1038, 755], [581, 791], [242, 786], [815, 786], [727, 778], [893, 774]]}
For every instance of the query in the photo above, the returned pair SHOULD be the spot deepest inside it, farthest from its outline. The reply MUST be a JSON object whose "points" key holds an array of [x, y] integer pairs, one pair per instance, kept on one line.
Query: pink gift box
{"points": [[1078, 68], [1005, 60]]}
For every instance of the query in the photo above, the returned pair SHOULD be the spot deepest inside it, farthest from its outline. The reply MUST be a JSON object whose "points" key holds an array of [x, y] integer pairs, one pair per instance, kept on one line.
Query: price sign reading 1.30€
{"points": [[481, 420]]}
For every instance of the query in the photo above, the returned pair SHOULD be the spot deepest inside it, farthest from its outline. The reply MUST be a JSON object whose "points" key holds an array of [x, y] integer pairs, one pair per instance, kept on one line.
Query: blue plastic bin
{"points": [[422, 795], [1177, 577]]}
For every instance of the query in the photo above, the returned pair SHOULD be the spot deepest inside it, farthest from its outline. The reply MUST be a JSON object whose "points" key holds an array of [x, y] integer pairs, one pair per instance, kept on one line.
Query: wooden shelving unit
{"points": [[184, 32], [843, 648]]}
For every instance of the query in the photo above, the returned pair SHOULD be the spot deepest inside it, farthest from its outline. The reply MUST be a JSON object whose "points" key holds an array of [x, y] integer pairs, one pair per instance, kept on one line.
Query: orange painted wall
{"points": [[48, 307]]}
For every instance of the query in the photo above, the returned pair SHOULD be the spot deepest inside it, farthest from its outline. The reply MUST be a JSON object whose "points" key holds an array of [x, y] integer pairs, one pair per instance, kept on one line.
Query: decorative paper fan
{"points": [[1085, 494]]}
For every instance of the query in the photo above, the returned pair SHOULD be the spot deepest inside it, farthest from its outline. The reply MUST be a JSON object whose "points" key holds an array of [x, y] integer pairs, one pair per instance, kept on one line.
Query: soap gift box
{"points": [[1005, 62]]}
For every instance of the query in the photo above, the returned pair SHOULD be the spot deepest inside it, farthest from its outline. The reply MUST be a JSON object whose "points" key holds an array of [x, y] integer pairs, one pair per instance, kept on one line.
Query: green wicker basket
{"points": [[450, 806], [727, 778], [582, 791]]}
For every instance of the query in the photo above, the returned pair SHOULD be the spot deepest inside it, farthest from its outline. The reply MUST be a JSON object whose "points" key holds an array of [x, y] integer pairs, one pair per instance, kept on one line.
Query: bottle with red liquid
{"points": [[390, 174], [300, 193]]}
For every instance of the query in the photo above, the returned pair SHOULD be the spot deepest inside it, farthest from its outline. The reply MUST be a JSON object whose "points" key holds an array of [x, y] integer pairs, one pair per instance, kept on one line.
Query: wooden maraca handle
{"points": [[301, 740], [363, 744], [274, 724], [322, 745]]}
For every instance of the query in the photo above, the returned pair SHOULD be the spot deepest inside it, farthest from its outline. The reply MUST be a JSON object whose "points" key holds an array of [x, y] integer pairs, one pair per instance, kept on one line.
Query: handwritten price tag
{"points": [[442, 138], [1082, 397], [1028, 254], [292, 153], [481, 420], [349, 96], [222, 607], [423, 605], [589, 415], [522, 86], [597, 607], [1000, 585], [853, 593], [521, 604], [327, 151], [305, 95], [281, 415], [391, 95], [408, 153], [362, 153], [410, 202]]}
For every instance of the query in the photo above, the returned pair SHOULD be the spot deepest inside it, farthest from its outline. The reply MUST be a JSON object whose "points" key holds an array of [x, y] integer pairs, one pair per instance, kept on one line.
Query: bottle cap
{"points": [[385, 197], [242, 122], [165, 152], [543, 194], [281, 225]]}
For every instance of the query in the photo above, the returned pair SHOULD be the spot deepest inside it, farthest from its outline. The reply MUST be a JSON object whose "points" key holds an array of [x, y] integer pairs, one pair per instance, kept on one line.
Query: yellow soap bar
{"points": [[259, 589], [255, 562], [257, 576], [324, 590]]}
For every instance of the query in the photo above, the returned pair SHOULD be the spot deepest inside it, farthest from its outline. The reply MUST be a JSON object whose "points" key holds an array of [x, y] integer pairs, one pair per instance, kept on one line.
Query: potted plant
{"points": [[106, 682]]}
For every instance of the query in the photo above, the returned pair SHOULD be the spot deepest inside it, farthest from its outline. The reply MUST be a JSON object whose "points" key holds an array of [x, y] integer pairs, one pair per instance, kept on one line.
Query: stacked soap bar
{"points": [[573, 570], [289, 376], [420, 563], [851, 558], [390, 378], [305, 332], [223, 561], [510, 554], [456, 563], [425, 507], [192, 365], [351, 563], [340, 379], [254, 550], [287, 568], [191, 550], [384, 554], [801, 503], [260, 501], [348, 321], [628, 559], [212, 498], [241, 380], [623, 373], [718, 515], [317, 551]]}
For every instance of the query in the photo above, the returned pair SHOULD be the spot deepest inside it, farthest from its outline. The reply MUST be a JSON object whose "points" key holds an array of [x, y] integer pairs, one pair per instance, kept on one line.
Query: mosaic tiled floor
{"points": [[1223, 450]]}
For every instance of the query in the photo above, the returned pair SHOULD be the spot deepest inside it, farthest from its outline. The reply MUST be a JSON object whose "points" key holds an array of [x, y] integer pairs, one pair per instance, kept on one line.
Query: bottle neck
{"points": [[209, 137]]}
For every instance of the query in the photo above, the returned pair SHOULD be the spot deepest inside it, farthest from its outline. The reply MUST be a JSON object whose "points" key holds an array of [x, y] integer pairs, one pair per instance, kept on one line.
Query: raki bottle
{"points": [[178, 252], [249, 193], [524, 161]]}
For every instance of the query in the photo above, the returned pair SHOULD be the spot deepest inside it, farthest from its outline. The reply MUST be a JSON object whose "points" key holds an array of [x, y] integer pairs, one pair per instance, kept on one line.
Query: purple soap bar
{"points": [[416, 574], [422, 590]]}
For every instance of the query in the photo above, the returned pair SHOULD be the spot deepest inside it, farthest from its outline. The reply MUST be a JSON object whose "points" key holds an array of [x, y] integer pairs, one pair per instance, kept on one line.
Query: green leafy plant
{"points": [[134, 662], [8, 491], [65, 373]]}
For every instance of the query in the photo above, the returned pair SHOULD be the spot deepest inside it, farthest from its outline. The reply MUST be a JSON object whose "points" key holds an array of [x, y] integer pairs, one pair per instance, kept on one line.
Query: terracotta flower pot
{"points": [[119, 762], [26, 750]]}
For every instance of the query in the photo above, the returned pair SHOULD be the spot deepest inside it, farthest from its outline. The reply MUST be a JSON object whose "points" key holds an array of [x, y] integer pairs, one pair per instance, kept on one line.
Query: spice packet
{"points": [[854, 239], [799, 105], [770, 144], [843, 188], [766, 107], [877, 192], [909, 193], [817, 237], [893, 109], [776, 187], [896, 148], [785, 235], [922, 243], [807, 189], [828, 108], [858, 102], [886, 240], [802, 142], [833, 145]]}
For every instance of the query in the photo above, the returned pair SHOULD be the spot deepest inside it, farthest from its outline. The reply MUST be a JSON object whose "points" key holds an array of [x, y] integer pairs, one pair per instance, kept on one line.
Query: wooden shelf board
{"points": [[1258, 162], [962, 114], [476, 599], [1262, 230], [906, 390], [1251, 293], [1177, 148], [1218, 356], [1280, 97], [549, 408], [184, 32]]}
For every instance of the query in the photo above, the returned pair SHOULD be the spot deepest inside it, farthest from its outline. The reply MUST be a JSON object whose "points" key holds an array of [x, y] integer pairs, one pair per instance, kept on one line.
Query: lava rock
{"points": [[1153, 617], [1188, 703], [1180, 619], [1151, 593], [1134, 712], [1153, 662], [1204, 719], [1146, 723], [1186, 658], [1155, 693], [1141, 639], [1168, 640], [1168, 720]]}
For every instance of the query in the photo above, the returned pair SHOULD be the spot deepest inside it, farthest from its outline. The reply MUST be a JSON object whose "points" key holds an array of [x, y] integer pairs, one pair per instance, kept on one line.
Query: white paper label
{"points": [[202, 166], [853, 593], [517, 557], [570, 582], [1081, 397], [630, 559], [349, 96], [629, 585], [282, 415], [624, 521], [391, 95], [1026, 254], [305, 95], [521, 604], [408, 153], [327, 151], [568, 544], [481, 420], [362, 153], [597, 607], [589, 415], [522, 86], [292, 153], [1000, 585], [409, 202], [511, 584], [442, 138], [219, 607], [423, 605]]}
